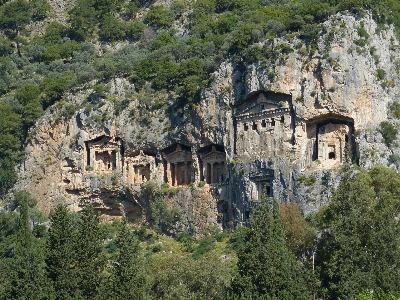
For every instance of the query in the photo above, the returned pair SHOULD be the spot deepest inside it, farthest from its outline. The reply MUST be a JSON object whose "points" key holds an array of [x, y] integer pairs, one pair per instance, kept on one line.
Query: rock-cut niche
{"points": [[213, 168], [103, 154], [328, 136], [178, 169], [263, 124], [139, 166]]}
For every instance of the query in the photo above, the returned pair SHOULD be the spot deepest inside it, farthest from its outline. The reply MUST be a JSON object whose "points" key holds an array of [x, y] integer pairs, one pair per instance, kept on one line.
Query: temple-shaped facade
{"points": [[263, 124], [103, 154], [178, 165], [139, 167], [213, 164]]}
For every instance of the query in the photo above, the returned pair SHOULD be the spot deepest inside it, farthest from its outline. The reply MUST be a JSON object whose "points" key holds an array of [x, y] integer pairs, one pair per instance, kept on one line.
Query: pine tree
{"points": [[90, 261], [128, 276], [24, 268], [360, 246], [61, 256], [266, 268]]}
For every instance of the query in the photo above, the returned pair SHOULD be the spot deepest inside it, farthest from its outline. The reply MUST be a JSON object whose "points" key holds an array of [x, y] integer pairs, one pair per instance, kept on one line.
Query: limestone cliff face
{"points": [[276, 126]]}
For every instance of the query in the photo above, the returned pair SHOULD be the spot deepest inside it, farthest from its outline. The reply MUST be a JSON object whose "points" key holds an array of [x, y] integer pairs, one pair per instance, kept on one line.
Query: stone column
{"points": [[212, 173], [188, 172], [117, 161], [168, 172], [176, 174], [92, 161]]}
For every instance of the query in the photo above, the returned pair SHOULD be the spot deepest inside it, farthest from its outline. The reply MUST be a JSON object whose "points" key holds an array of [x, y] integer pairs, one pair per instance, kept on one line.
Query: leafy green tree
{"points": [[83, 19], [112, 29], [389, 132], [53, 87], [5, 46], [13, 18], [174, 277], [360, 248], [266, 267], [27, 93], [61, 256], [160, 17], [90, 261], [299, 235], [40, 9], [54, 33], [134, 29]]}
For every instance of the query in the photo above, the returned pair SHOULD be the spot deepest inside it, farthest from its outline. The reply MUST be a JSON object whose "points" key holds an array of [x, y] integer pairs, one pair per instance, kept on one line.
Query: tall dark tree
{"points": [[23, 267], [360, 246], [90, 260], [266, 268], [128, 277], [61, 255]]}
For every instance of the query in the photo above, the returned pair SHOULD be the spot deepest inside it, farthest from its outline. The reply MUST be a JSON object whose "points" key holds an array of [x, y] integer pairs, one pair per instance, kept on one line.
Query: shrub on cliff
{"points": [[389, 132]]}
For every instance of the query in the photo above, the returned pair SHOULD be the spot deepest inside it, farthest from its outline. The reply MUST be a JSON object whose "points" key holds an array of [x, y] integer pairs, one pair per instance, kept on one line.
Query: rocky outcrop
{"points": [[279, 126]]}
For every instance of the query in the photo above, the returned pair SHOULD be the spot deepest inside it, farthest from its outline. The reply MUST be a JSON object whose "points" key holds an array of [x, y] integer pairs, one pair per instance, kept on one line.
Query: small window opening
{"points": [[263, 123], [254, 127], [346, 138], [247, 215], [245, 127], [268, 190], [331, 155], [282, 119], [262, 106], [272, 122]]}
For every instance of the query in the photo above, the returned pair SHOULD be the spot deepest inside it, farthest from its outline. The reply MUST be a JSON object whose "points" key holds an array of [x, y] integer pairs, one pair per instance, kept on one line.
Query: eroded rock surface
{"points": [[276, 126]]}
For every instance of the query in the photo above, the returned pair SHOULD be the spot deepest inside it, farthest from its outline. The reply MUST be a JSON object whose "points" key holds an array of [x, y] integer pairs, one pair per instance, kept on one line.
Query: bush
{"points": [[112, 29], [394, 109], [160, 17], [380, 74], [389, 132]]}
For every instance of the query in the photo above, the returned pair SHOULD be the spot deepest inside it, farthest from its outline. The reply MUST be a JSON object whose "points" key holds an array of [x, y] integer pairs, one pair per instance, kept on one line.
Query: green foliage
{"points": [[380, 74], [14, 15], [162, 216], [112, 29], [128, 278], [265, 265], [61, 51], [205, 245], [361, 249], [53, 86], [83, 19], [160, 17], [394, 109], [5, 46], [89, 253], [40, 9], [22, 267], [179, 277], [61, 256], [389, 132]]}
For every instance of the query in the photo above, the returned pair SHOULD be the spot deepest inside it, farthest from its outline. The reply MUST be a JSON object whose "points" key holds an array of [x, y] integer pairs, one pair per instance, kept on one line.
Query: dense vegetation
{"points": [[37, 69], [349, 249]]}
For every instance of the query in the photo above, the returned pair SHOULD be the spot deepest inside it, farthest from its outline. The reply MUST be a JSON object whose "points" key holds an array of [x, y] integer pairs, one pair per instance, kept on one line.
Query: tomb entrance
{"points": [[327, 138], [262, 184], [177, 165], [213, 164], [103, 154], [138, 167]]}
